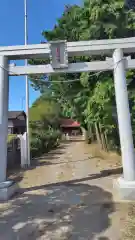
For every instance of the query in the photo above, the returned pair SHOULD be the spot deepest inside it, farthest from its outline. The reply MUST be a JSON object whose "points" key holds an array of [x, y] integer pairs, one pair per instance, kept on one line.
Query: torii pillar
{"points": [[4, 91], [126, 183], [7, 188]]}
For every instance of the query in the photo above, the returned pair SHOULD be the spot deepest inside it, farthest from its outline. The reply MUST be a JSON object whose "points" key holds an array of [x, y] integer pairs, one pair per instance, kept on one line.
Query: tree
{"points": [[90, 98], [44, 125], [44, 107]]}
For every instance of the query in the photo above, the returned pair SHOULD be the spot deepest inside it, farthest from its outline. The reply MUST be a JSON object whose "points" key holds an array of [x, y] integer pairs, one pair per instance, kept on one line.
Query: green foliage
{"points": [[44, 125], [11, 137], [43, 141], [44, 107], [91, 99]]}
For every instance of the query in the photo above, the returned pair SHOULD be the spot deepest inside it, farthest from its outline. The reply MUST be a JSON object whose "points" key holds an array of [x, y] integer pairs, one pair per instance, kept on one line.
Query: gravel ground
{"points": [[68, 194]]}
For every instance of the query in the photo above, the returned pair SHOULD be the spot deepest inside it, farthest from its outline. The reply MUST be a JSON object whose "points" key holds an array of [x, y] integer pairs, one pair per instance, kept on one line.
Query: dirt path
{"points": [[68, 194]]}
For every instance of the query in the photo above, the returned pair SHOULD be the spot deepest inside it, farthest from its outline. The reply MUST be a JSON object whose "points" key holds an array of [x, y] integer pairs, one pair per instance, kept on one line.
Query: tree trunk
{"points": [[92, 133], [106, 140], [85, 134], [89, 134], [98, 135], [102, 138]]}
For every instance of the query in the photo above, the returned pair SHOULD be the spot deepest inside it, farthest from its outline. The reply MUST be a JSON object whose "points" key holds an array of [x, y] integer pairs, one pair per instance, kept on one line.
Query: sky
{"points": [[42, 15]]}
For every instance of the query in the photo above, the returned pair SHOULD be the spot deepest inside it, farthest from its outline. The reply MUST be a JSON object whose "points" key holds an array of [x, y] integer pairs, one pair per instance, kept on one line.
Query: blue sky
{"points": [[42, 14]]}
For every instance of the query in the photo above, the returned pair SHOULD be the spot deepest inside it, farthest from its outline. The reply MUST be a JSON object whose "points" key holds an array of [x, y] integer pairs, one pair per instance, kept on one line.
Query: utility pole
{"points": [[27, 88]]}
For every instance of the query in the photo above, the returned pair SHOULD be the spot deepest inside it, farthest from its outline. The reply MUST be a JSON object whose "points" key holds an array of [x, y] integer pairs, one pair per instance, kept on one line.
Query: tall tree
{"points": [[91, 97]]}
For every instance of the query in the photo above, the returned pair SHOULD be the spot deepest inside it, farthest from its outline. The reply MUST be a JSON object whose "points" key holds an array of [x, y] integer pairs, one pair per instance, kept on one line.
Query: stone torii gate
{"points": [[58, 52]]}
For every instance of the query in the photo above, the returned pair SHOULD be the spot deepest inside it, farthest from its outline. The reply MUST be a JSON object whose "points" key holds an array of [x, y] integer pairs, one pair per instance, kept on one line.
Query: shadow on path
{"points": [[53, 160], [104, 173], [73, 211], [107, 172], [16, 174]]}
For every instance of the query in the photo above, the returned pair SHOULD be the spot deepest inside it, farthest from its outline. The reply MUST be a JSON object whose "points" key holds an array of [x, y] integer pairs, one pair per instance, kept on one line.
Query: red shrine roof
{"points": [[69, 123]]}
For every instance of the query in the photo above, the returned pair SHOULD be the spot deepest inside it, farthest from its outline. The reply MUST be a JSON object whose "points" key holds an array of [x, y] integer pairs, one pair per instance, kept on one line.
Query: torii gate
{"points": [[59, 52]]}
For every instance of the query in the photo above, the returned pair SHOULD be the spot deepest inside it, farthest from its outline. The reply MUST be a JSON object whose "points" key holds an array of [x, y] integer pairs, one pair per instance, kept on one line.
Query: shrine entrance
{"points": [[59, 52]]}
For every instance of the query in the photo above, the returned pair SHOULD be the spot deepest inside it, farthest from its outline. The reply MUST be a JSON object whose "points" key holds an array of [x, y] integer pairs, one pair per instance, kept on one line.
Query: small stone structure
{"points": [[17, 152]]}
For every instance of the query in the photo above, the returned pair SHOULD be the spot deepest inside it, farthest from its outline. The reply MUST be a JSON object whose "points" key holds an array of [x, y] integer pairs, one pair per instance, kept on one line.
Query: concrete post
{"points": [[4, 90], [123, 112]]}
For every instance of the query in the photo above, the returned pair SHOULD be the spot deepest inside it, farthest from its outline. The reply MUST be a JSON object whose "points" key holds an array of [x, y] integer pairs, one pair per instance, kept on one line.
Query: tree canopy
{"points": [[44, 107], [88, 97]]}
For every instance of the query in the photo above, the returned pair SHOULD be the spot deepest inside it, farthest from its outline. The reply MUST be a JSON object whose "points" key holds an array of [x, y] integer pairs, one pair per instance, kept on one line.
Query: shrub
{"points": [[11, 137], [43, 140]]}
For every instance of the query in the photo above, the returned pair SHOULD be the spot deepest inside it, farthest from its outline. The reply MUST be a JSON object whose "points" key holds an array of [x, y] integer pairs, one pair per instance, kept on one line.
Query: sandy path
{"points": [[68, 194]]}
